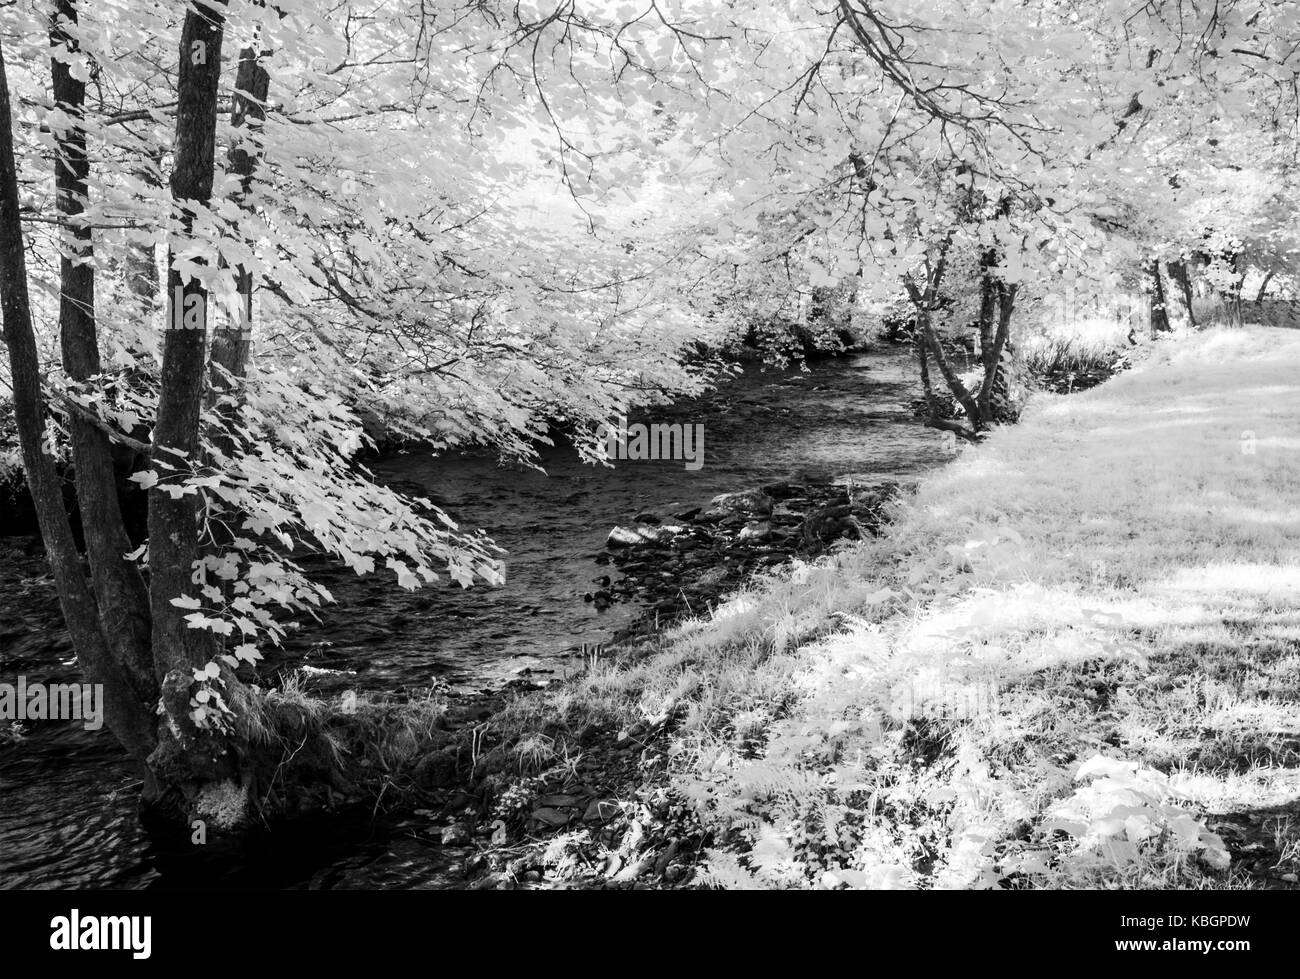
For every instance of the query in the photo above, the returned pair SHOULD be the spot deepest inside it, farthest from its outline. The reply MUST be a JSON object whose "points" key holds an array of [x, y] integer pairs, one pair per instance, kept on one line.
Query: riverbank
{"points": [[1072, 660]]}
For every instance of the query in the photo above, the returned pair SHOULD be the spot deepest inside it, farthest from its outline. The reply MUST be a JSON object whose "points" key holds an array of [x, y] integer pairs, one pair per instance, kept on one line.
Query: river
{"points": [[67, 799]]}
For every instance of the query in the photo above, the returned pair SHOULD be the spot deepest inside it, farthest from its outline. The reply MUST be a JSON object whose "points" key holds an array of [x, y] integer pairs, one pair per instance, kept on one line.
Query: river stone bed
{"points": [[682, 564]]}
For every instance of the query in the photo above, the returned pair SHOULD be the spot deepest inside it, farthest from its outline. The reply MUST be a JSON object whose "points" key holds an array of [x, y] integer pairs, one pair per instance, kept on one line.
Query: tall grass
{"points": [[1213, 311], [1072, 362]]}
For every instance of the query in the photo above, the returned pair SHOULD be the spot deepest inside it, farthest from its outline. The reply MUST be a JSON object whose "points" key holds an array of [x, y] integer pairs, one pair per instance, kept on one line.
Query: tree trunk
{"points": [[997, 301], [929, 343], [1231, 296], [189, 757], [173, 523], [994, 394], [120, 590], [133, 727], [1263, 288], [988, 314], [141, 260], [923, 303], [1238, 314], [231, 343], [1179, 274], [232, 339], [1159, 312], [934, 416]]}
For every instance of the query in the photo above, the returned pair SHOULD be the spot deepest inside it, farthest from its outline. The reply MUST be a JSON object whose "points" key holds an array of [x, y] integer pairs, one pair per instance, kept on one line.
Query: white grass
{"points": [[1116, 575]]}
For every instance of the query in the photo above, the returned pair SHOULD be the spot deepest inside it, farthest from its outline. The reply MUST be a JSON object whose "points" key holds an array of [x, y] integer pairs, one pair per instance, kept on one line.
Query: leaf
{"points": [[247, 652]]}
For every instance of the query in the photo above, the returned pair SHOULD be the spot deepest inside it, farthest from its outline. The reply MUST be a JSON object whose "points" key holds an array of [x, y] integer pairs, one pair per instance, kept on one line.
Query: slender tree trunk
{"points": [[231, 343], [959, 390], [1231, 296], [140, 270], [232, 338], [934, 416], [188, 757], [991, 293], [923, 303], [927, 388], [142, 260], [929, 342], [1159, 312], [994, 394], [862, 176], [173, 522], [1238, 314], [132, 727], [988, 311], [1179, 274], [997, 301], [1263, 288], [122, 598]]}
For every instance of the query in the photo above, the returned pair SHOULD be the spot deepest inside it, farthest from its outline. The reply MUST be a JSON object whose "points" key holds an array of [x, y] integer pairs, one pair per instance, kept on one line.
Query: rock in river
{"points": [[748, 503], [642, 535]]}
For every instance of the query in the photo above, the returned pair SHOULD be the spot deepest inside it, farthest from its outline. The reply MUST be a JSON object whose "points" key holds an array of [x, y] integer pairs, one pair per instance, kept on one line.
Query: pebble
{"points": [[455, 835]]}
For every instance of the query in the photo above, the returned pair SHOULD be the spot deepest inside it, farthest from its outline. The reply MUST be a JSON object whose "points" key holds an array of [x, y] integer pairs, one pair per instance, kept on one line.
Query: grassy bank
{"points": [[1074, 660]]}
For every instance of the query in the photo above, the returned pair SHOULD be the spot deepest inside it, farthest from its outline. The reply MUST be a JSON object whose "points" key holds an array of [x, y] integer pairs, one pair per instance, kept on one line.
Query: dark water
{"points": [[67, 801]]}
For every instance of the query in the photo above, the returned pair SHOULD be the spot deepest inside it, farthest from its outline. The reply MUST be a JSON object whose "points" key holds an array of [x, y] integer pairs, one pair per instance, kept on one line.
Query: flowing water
{"points": [[67, 800]]}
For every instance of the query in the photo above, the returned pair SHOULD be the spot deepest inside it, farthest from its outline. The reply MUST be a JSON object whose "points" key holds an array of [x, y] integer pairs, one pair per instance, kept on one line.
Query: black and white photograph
{"points": [[455, 446]]}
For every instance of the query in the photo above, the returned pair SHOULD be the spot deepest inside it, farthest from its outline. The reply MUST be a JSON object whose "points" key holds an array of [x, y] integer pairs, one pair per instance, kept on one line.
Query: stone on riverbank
{"points": [[643, 535], [437, 768], [747, 503]]}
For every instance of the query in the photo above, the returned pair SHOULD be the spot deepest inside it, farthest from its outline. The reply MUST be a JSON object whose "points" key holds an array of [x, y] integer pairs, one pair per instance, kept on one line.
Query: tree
{"points": [[80, 609], [122, 599], [389, 295], [1111, 135]]}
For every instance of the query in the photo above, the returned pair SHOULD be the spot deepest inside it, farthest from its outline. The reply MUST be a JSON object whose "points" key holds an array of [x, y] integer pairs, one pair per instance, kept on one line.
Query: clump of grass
{"points": [[314, 750], [1067, 363]]}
